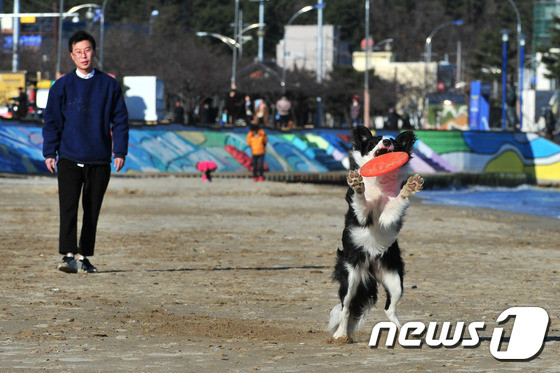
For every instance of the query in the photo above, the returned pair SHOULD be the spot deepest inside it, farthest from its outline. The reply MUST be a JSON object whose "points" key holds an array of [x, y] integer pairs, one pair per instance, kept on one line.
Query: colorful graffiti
{"points": [[497, 152], [179, 150], [158, 150], [448, 117]]}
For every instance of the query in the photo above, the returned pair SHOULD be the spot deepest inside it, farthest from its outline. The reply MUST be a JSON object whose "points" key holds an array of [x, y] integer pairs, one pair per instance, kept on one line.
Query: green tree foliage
{"points": [[197, 67], [551, 59], [485, 60]]}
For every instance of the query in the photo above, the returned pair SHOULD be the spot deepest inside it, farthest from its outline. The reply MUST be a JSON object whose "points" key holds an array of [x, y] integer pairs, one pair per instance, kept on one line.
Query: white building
{"points": [[301, 48]]}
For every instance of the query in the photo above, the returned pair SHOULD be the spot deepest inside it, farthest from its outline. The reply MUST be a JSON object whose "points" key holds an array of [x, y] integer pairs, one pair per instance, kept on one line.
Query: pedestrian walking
{"points": [[86, 121]]}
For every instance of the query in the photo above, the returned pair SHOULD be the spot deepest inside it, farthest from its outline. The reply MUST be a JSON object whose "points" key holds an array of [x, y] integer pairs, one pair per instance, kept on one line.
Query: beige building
{"points": [[412, 74], [415, 76]]}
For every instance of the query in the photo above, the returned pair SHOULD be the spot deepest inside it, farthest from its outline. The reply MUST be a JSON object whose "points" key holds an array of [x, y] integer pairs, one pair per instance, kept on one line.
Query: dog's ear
{"points": [[405, 141], [361, 136]]}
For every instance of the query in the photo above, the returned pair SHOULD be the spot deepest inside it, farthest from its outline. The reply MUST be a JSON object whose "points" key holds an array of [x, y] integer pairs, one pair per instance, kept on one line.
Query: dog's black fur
{"points": [[371, 253]]}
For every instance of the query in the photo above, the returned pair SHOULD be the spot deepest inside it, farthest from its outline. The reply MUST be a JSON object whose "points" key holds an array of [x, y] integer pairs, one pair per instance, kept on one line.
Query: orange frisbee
{"points": [[383, 164]]}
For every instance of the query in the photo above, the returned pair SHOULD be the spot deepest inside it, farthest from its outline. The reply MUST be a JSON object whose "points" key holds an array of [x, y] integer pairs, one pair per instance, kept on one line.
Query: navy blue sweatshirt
{"points": [[85, 119]]}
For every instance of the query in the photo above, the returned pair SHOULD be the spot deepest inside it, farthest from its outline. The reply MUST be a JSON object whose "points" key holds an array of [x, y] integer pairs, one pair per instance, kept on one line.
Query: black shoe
{"points": [[84, 266], [68, 265]]}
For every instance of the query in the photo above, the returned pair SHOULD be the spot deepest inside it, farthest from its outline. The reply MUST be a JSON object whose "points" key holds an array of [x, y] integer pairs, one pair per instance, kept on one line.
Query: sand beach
{"points": [[234, 276]]}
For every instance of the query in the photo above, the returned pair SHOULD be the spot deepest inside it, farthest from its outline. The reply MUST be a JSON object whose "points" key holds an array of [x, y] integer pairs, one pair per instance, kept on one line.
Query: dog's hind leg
{"points": [[392, 282], [345, 314]]}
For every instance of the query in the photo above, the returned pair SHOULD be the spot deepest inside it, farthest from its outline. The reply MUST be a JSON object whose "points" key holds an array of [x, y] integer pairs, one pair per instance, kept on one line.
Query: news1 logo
{"points": [[525, 342]]}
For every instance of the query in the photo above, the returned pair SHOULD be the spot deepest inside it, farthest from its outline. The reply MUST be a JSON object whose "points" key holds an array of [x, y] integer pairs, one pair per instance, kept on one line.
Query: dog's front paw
{"points": [[355, 181], [413, 185]]}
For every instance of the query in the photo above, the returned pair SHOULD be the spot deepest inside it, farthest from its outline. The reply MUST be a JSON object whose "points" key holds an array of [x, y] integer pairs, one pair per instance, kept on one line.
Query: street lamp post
{"points": [[261, 31], [519, 61], [15, 39], [320, 6], [386, 42], [428, 46], [102, 34], [521, 58], [504, 77], [59, 42], [428, 56], [240, 40], [232, 43], [235, 37], [366, 71], [153, 14]]}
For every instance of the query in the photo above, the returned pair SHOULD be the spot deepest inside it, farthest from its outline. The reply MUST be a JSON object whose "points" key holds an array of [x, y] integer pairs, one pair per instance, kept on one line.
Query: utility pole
{"points": [[366, 73], [101, 34], [59, 43], [235, 33], [458, 68], [239, 39], [15, 38], [319, 59], [261, 28]]}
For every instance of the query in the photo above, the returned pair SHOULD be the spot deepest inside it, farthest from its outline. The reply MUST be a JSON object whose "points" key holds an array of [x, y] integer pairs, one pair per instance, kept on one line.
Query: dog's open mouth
{"points": [[381, 152]]}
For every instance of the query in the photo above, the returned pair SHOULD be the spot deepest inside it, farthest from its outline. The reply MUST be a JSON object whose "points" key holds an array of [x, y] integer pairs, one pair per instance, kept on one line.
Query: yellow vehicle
{"points": [[9, 84]]}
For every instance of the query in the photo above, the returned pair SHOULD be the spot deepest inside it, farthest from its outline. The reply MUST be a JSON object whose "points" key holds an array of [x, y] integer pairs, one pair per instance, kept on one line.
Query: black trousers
{"points": [[73, 180], [258, 165]]}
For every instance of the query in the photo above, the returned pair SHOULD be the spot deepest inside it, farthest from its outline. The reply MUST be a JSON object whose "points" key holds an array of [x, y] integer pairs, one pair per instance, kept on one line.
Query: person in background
{"points": [[261, 113], [393, 118], [257, 140], [205, 113], [283, 107], [179, 113], [248, 109], [550, 122], [355, 111], [86, 122], [23, 103], [234, 101]]}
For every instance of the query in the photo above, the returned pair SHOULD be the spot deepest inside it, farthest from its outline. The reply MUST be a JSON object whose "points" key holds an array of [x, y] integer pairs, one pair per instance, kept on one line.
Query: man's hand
{"points": [[119, 164], [51, 164]]}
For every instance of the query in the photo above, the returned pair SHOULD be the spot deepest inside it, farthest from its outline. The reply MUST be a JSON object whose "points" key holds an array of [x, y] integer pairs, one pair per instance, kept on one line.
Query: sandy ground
{"points": [[235, 276]]}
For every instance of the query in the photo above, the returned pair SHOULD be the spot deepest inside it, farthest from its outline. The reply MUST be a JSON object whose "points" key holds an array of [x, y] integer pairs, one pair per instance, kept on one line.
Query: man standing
{"points": [[22, 103], [86, 121], [355, 111], [257, 140], [393, 118], [179, 113]]}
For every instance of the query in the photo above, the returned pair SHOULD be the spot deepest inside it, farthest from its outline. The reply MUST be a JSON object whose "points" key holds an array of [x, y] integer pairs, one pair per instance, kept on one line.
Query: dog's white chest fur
{"points": [[379, 210]]}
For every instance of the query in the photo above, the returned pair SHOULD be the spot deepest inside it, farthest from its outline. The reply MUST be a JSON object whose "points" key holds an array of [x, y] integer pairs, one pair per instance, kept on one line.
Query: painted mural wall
{"points": [[161, 150], [497, 152], [448, 117]]}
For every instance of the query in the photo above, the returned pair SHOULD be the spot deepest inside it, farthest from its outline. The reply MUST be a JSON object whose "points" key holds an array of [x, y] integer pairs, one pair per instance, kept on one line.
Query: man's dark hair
{"points": [[79, 36]]}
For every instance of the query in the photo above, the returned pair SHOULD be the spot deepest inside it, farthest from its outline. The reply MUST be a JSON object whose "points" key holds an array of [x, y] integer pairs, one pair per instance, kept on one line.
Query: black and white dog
{"points": [[371, 254]]}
